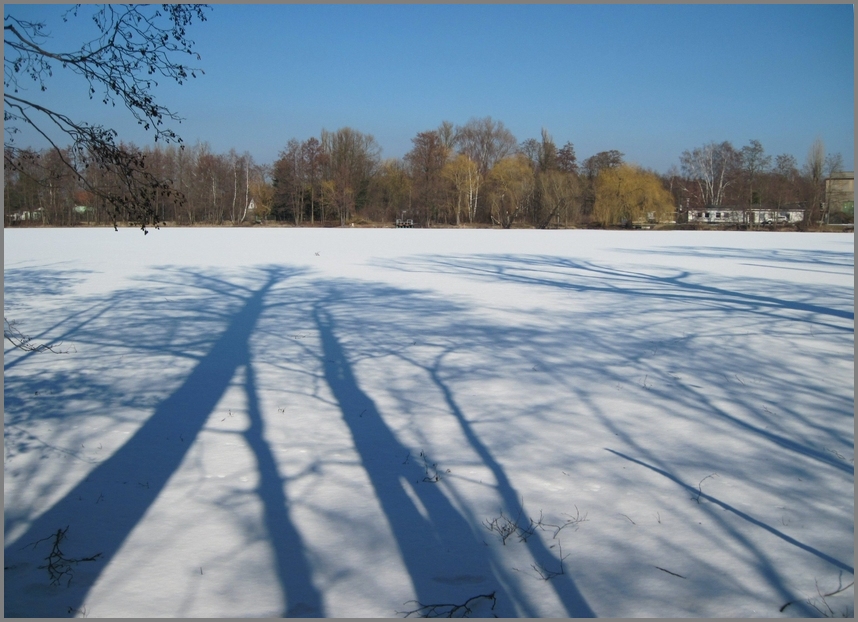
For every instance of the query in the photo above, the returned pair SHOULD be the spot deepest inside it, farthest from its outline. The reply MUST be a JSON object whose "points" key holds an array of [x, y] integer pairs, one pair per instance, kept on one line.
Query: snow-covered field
{"points": [[267, 422]]}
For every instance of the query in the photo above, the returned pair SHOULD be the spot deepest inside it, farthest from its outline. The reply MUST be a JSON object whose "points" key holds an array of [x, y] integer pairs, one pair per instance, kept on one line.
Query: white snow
{"points": [[269, 422]]}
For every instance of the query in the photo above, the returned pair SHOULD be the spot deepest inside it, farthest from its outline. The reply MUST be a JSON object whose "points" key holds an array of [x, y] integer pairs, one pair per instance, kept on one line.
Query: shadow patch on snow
{"points": [[46, 280], [585, 350], [797, 259], [63, 331], [155, 451], [441, 543], [682, 293], [293, 568], [702, 495], [677, 286], [710, 354], [568, 593]]}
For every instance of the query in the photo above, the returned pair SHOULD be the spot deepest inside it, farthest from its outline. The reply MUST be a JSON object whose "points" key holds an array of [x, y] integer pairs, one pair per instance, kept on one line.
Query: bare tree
{"points": [[235, 165], [833, 164], [351, 159], [548, 154], [313, 157], [677, 186], [713, 166], [486, 142], [754, 162], [602, 160], [391, 190], [290, 181], [259, 189], [426, 161], [447, 134], [133, 45], [785, 177], [466, 181], [566, 159], [815, 161], [813, 167], [530, 149]]}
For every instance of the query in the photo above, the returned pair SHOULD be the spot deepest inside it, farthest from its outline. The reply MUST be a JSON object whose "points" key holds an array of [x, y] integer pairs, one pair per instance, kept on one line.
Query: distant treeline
{"points": [[476, 173]]}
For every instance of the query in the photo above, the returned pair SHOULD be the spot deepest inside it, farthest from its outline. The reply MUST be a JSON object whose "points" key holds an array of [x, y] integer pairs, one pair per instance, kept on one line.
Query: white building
{"points": [[747, 215]]}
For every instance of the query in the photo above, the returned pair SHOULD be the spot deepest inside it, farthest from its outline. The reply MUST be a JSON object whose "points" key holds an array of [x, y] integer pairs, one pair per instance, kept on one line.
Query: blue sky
{"points": [[648, 80]]}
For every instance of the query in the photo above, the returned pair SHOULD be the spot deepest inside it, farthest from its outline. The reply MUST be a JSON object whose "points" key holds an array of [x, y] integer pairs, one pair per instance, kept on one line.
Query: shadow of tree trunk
{"points": [[444, 558], [301, 596], [152, 455], [573, 601]]}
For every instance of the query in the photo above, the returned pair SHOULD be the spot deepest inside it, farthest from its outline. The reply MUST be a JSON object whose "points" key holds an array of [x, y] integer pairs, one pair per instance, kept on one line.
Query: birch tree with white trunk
{"points": [[713, 167]]}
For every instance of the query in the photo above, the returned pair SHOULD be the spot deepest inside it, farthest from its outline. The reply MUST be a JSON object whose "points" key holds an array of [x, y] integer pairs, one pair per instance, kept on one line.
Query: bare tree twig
{"points": [[448, 610], [25, 343], [431, 470], [505, 527], [546, 574], [59, 566], [700, 487], [669, 572], [812, 601]]}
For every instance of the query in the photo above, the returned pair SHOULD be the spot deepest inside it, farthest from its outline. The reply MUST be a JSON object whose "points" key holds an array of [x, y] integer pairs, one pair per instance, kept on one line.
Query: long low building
{"points": [[747, 215]]}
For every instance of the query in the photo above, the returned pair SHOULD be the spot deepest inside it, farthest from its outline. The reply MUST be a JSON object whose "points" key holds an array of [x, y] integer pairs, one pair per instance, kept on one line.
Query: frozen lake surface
{"points": [[348, 423]]}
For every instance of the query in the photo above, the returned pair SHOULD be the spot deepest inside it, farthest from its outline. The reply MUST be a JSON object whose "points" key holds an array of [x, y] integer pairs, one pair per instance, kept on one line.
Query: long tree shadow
{"points": [[700, 300], [301, 596], [583, 276], [574, 602], [678, 289], [438, 546], [794, 259], [154, 453], [699, 494], [438, 541]]}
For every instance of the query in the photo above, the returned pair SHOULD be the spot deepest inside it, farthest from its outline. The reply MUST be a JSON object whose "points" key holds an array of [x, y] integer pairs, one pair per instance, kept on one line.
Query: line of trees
{"points": [[472, 174], [201, 186]]}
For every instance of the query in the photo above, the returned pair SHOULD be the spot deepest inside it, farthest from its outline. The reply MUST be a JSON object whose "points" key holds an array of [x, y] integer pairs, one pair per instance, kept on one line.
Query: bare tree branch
{"points": [[133, 46], [25, 343]]}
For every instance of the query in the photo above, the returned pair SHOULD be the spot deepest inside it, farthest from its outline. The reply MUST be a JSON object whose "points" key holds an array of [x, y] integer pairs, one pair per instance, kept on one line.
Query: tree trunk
{"points": [[234, 191]]}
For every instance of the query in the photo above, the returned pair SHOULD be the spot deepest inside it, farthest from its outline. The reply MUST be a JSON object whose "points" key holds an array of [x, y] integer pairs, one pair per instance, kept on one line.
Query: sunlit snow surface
{"points": [[268, 422]]}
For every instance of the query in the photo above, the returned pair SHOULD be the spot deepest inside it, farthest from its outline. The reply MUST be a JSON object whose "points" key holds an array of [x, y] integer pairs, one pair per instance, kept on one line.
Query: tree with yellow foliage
{"points": [[511, 184], [559, 197], [627, 193]]}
